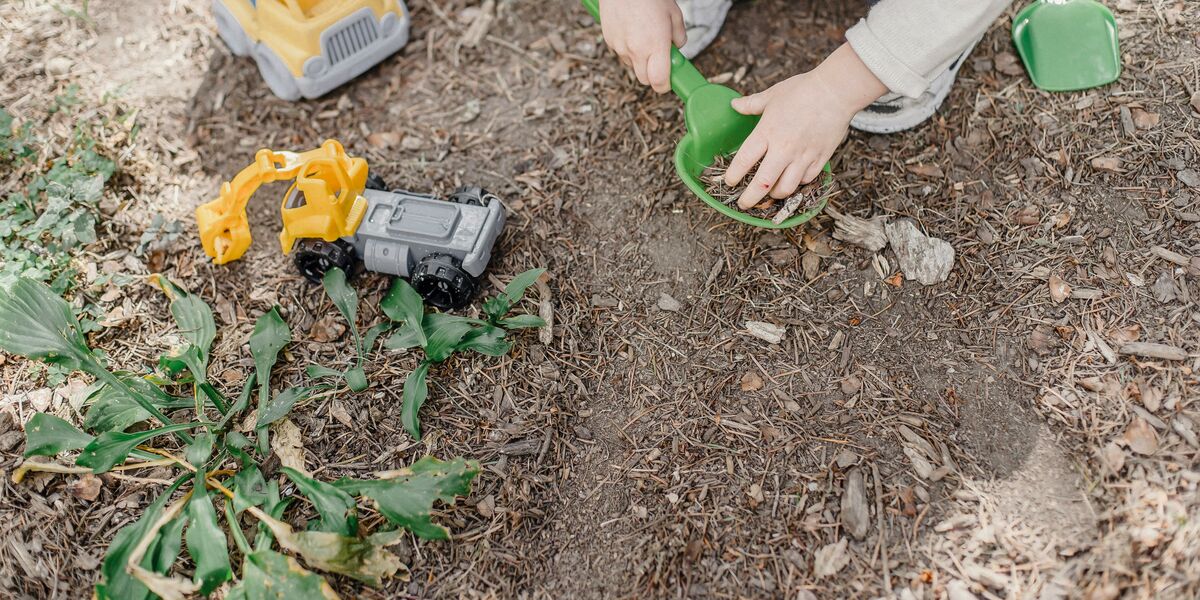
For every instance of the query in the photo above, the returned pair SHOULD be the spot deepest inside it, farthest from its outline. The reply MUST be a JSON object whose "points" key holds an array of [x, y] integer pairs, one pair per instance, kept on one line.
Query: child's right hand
{"points": [[641, 33]]}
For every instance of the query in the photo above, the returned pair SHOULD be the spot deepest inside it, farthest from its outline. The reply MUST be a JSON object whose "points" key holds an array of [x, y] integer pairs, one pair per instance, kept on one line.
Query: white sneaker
{"points": [[893, 112], [703, 19]]}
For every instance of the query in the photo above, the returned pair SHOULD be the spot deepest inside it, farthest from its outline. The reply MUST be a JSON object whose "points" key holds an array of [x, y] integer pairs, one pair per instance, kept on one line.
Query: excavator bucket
{"points": [[333, 204], [225, 235]]}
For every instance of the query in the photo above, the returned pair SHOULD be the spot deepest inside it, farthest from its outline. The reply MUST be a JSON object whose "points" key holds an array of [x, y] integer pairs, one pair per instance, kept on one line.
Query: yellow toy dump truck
{"points": [[337, 215], [308, 47]]}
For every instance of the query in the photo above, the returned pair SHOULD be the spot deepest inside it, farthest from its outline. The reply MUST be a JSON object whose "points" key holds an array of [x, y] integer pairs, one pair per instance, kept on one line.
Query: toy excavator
{"points": [[337, 214]]}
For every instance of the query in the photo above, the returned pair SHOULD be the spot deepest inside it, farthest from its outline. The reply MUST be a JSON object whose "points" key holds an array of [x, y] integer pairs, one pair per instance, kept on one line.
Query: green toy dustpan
{"points": [[1068, 45], [713, 129]]}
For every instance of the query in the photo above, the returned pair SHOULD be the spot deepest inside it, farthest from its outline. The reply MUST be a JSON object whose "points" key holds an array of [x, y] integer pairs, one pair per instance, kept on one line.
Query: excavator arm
{"points": [[325, 201]]}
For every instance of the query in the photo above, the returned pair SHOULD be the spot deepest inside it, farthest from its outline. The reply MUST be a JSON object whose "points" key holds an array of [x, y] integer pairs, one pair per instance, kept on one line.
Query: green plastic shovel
{"points": [[1068, 45], [713, 129]]}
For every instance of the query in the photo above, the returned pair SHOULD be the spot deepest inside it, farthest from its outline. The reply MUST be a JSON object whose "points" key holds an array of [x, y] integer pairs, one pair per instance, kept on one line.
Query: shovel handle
{"points": [[685, 78]]}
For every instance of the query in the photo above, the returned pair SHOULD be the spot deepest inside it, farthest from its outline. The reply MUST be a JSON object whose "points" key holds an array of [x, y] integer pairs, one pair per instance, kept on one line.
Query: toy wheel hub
{"points": [[442, 282]]}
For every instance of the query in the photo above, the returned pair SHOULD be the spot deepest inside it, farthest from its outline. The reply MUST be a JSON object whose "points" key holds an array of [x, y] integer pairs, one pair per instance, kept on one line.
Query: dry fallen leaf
{"points": [[751, 382], [1111, 164], [1113, 458], [1059, 289], [1124, 335], [829, 560], [383, 139], [287, 445], [1141, 437], [1029, 215], [1196, 101], [1008, 64], [1042, 341], [768, 332], [338, 410], [925, 170], [811, 264], [1151, 396], [1144, 119], [86, 487], [327, 329]]}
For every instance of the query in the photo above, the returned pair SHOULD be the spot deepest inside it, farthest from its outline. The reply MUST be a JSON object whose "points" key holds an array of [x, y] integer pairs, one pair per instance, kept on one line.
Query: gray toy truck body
{"points": [[441, 245]]}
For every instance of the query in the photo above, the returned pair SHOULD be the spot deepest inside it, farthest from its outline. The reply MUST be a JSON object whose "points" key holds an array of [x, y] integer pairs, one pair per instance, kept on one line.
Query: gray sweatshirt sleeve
{"points": [[907, 43]]}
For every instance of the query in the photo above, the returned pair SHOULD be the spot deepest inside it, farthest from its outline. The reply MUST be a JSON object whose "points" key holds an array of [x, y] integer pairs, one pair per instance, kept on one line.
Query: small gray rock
{"points": [[922, 258], [668, 303], [1190, 178]]}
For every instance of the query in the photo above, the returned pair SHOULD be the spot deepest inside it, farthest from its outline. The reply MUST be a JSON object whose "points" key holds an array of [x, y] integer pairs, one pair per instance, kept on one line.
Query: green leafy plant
{"points": [[346, 300], [54, 213], [220, 480], [441, 335]]}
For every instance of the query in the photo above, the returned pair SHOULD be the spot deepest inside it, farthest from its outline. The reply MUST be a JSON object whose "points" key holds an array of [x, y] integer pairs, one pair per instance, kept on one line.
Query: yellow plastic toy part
{"points": [[324, 202]]}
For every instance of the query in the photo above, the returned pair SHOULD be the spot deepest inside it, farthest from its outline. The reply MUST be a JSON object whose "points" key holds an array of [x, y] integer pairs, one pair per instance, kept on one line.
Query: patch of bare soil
{"points": [[898, 440]]}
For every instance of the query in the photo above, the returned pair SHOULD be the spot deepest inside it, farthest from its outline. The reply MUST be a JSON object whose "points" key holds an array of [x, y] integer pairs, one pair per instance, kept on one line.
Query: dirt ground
{"points": [[668, 453]]}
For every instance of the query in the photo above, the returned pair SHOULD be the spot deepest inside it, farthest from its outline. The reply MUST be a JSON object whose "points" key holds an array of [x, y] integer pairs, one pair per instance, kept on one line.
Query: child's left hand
{"points": [[804, 119]]}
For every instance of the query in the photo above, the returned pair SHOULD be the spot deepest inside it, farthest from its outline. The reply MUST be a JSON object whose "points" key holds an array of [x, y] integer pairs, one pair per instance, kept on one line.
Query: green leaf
{"points": [[112, 447], [198, 452], [405, 338], [269, 575], [364, 559], [166, 548], [193, 317], [321, 371], [444, 332], [243, 401], [280, 405], [515, 289], [495, 308], [38, 324], [111, 409], [115, 582], [403, 304], [413, 396], [249, 488], [47, 435], [523, 322], [407, 499], [270, 336], [373, 334], [487, 340], [183, 359], [206, 542], [356, 379], [274, 505], [337, 508], [345, 299]]}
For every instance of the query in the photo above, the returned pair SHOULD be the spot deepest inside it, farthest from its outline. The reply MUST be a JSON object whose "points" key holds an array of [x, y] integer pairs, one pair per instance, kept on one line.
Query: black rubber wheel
{"points": [[441, 281], [375, 182], [472, 196], [316, 256]]}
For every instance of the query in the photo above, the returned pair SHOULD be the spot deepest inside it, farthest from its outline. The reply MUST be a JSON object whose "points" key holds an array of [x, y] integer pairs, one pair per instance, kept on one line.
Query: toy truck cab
{"points": [[308, 47]]}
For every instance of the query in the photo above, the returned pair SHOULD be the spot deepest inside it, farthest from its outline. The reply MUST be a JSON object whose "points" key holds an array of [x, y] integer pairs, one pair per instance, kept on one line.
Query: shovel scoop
{"points": [[713, 129], [1068, 45]]}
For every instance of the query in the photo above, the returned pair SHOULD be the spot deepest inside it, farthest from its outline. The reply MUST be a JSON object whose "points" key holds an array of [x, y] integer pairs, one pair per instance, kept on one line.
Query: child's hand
{"points": [[804, 119], [641, 33]]}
